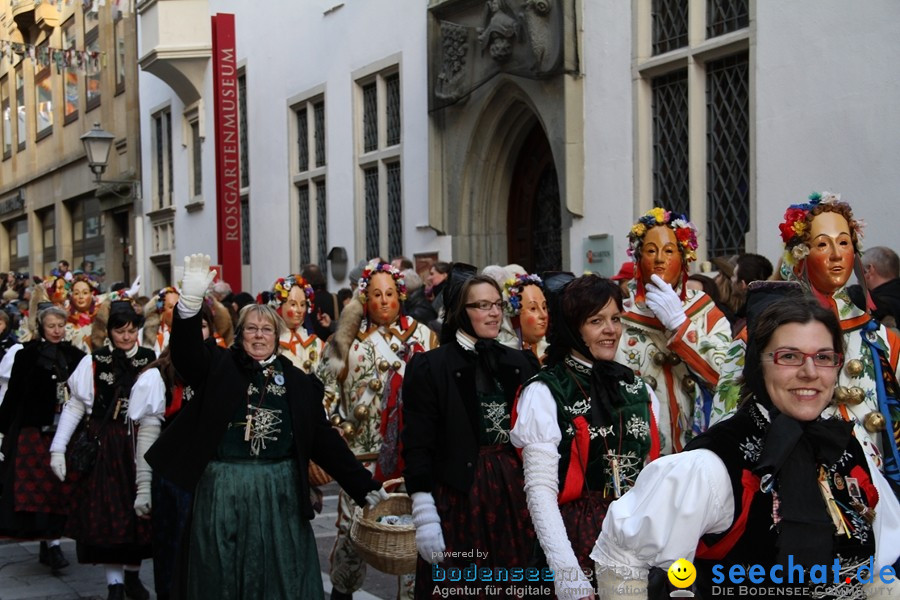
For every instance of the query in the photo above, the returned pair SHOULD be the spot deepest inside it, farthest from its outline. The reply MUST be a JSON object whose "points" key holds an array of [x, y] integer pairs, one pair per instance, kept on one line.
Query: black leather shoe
{"points": [[134, 589], [116, 592], [56, 559], [43, 557]]}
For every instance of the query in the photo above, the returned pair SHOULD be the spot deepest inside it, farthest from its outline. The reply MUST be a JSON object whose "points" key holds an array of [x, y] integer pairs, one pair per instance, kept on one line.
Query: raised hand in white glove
{"points": [[196, 280], [665, 303], [58, 464], [376, 496], [142, 502], [429, 536], [135, 288]]}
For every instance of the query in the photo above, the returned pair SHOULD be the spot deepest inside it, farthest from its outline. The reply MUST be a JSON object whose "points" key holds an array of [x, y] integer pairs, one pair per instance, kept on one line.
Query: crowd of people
{"points": [[594, 430]]}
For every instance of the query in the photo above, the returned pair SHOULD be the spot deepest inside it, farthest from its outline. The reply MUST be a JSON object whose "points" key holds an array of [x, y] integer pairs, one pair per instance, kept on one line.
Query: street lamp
{"points": [[97, 144]]}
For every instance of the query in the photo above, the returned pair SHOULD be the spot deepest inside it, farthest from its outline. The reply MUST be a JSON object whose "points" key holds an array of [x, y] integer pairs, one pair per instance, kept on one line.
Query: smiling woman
{"points": [[775, 484]]}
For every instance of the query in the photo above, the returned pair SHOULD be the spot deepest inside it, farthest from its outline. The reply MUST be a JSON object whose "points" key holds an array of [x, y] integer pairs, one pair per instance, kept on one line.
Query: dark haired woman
{"points": [[33, 502], [584, 425], [464, 476], [774, 485], [101, 517]]}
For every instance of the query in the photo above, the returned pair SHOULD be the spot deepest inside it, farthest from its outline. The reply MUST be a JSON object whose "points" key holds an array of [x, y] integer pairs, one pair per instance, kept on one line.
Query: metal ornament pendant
{"points": [[766, 483]]}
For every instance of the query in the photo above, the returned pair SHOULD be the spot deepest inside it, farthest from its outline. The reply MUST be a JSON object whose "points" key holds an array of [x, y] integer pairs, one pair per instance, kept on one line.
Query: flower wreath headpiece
{"points": [[57, 293], [376, 266], [161, 297], [278, 295], [796, 226], [685, 233], [512, 289], [92, 283]]}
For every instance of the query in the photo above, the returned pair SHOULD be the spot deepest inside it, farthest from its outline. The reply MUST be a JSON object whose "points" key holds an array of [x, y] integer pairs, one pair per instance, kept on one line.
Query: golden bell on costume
{"points": [[841, 394], [348, 429], [375, 385], [857, 395], [336, 420], [659, 359], [383, 365], [874, 422], [854, 367], [649, 380], [361, 412]]}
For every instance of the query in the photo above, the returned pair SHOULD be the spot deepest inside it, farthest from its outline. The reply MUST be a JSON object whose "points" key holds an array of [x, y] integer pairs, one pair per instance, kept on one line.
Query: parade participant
{"points": [[585, 427], [82, 308], [57, 290], [362, 367], [33, 502], [463, 474], [526, 308], [293, 298], [674, 338], [101, 515], [158, 396], [244, 443], [821, 250], [778, 484], [158, 320]]}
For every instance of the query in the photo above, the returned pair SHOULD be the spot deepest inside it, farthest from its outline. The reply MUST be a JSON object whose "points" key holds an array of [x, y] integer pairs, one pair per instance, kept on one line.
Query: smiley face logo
{"points": [[682, 573]]}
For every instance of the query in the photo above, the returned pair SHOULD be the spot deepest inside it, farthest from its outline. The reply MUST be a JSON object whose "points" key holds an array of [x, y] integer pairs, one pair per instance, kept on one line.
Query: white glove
{"points": [[376, 496], [135, 288], [665, 303], [146, 435], [196, 280], [541, 466], [71, 415], [429, 537], [58, 464], [612, 586], [2, 457]]}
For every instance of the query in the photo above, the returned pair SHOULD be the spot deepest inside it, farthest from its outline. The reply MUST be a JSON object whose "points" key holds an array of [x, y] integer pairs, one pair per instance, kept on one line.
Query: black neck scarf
{"points": [[792, 454], [605, 397]]}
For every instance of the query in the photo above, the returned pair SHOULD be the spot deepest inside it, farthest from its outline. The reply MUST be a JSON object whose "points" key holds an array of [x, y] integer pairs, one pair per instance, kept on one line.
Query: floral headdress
{"points": [[512, 289], [796, 226], [57, 289], [376, 266], [161, 297], [92, 283], [278, 295], [685, 233]]}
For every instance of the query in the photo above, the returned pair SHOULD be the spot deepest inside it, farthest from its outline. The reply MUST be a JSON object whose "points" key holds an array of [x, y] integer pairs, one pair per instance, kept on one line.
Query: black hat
{"points": [[760, 294]]}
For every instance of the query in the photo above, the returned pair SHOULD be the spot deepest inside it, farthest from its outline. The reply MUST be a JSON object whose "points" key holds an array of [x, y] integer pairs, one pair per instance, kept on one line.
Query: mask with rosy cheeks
{"points": [[383, 303], [294, 309], [831, 254], [533, 316], [168, 306], [660, 255], [81, 296]]}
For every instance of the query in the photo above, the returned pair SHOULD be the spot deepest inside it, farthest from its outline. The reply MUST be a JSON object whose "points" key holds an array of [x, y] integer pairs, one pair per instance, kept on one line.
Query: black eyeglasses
{"points": [[485, 306], [795, 358]]}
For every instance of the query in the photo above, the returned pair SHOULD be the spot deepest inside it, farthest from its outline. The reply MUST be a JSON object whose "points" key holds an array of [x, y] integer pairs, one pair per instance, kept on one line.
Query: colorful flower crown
{"points": [[281, 289], [161, 297], [512, 289], [796, 226], [92, 283], [376, 266], [57, 294], [685, 232]]}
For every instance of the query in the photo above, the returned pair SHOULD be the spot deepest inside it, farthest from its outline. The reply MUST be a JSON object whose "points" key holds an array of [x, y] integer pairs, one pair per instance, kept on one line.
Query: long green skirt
{"points": [[248, 538]]}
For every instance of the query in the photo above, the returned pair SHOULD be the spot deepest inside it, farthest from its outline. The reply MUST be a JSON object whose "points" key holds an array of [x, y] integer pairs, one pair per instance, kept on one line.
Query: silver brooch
{"points": [[279, 379]]}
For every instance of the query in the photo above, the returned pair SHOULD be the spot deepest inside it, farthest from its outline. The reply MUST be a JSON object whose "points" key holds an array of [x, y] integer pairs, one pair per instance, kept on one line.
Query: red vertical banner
{"points": [[228, 176]]}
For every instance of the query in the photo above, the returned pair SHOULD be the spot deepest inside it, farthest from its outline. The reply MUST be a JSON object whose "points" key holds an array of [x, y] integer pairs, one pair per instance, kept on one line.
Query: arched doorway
{"points": [[534, 222]]}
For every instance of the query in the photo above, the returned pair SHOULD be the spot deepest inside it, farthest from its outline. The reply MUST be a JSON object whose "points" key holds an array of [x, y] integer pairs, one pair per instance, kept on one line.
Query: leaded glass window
{"points": [[322, 226], [670, 25], [319, 119], [196, 157], [302, 140], [160, 159], [370, 117], [671, 182], [392, 87], [370, 178], [728, 161], [395, 211], [303, 209], [242, 132], [725, 16], [548, 231]]}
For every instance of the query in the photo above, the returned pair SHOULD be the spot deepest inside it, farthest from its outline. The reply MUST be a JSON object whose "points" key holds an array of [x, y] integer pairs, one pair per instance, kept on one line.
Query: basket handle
{"points": [[392, 482]]}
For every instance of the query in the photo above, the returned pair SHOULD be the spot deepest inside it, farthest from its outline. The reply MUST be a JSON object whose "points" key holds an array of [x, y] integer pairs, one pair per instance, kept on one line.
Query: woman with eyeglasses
{"points": [[463, 474], [585, 427], [242, 446], [101, 517], [776, 485]]}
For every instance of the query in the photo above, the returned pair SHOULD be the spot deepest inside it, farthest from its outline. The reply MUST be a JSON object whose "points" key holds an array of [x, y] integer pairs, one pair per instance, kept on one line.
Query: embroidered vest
{"points": [[628, 438], [107, 390]]}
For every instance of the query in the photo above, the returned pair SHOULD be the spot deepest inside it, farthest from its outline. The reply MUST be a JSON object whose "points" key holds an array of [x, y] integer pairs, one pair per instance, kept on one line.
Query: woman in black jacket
{"points": [[33, 504], [463, 474], [243, 446]]}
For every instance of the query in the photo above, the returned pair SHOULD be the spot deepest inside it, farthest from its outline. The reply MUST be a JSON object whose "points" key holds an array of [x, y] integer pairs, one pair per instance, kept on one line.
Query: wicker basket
{"points": [[388, 548], [318, 476]]}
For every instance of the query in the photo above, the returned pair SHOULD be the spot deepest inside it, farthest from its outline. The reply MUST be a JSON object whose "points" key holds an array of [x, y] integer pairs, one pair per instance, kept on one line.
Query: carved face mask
{"points": [[533, 316], [831, 254], [383, 303], [660, 255]]}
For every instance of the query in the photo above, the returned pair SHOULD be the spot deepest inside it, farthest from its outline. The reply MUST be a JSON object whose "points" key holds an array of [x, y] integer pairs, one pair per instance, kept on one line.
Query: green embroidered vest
{"points": [[269, 435]]}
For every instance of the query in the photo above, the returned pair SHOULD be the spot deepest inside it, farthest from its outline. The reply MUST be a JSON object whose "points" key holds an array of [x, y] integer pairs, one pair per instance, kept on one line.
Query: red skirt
{"points": [[102, 518], [583, 518], [36, 488], [489, 526]]}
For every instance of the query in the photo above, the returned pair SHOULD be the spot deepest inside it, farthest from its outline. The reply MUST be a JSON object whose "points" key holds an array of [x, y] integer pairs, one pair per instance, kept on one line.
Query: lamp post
{"points": [[97, 144]]}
